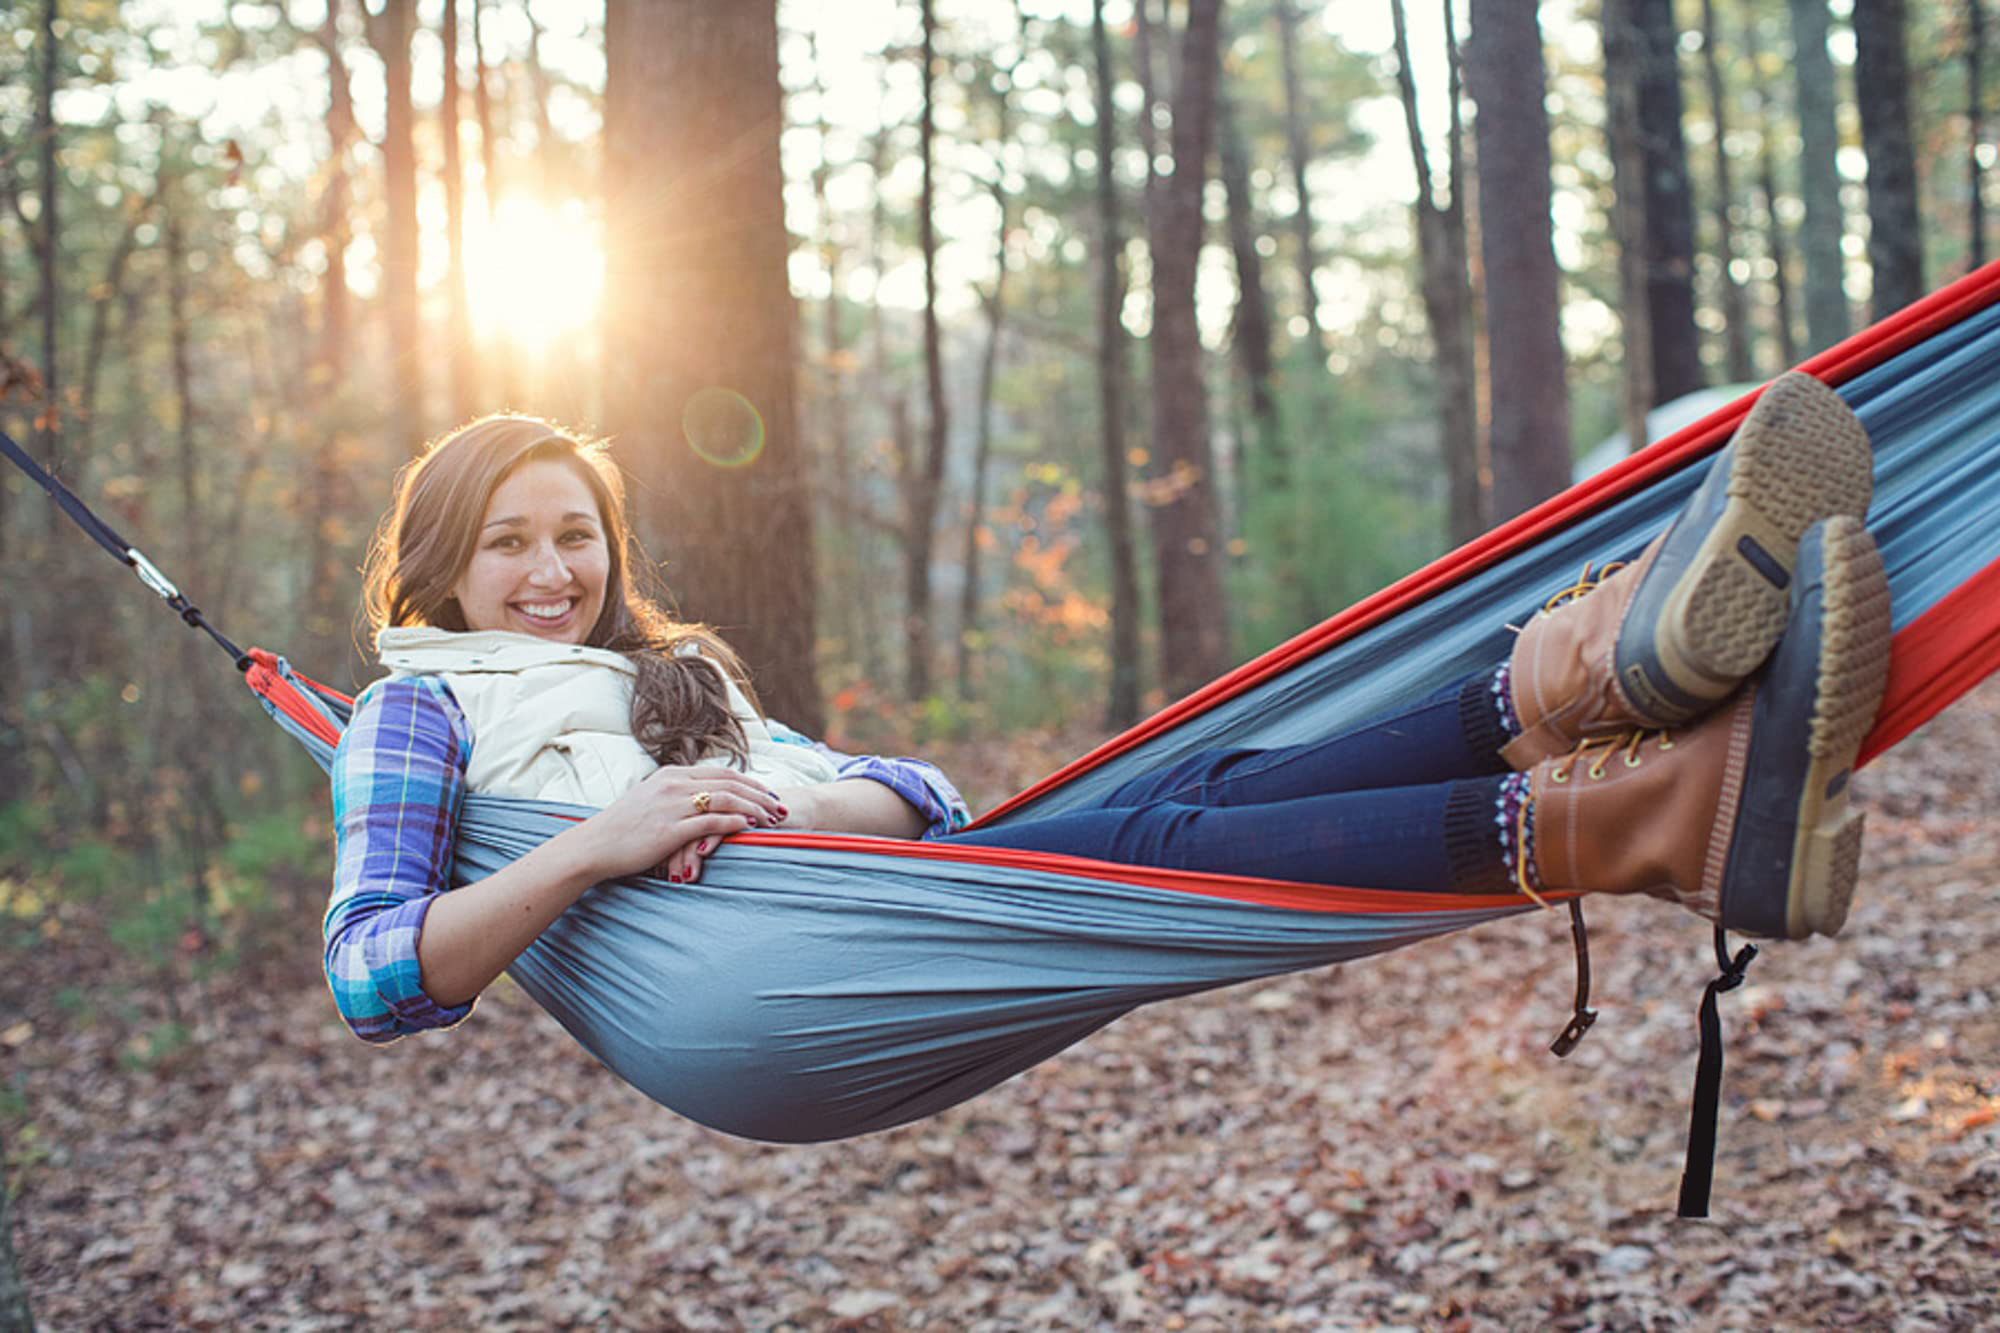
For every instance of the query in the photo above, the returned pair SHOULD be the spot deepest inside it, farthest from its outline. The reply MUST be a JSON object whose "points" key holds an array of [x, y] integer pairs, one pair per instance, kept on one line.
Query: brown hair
{"points": [[680, 704]]}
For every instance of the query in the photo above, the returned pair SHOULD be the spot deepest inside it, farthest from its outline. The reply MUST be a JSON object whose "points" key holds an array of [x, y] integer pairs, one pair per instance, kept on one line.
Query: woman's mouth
{"points": [[543, 616]]}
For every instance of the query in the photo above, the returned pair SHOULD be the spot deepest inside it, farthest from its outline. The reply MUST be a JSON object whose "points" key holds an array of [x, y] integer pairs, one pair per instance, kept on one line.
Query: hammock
{"points": [[811, 987]]}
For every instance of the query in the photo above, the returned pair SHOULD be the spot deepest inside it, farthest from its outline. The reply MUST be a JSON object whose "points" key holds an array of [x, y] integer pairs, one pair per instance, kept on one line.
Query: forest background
{"points": [[990, 373]]}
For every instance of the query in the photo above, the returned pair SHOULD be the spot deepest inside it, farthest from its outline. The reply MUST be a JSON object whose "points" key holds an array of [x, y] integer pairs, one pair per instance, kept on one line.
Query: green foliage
{"points": [[1344, 501], [25, 829]]}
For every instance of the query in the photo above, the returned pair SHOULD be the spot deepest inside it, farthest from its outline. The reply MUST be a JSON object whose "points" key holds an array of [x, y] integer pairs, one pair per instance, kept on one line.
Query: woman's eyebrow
{"points": [[516, 520]]}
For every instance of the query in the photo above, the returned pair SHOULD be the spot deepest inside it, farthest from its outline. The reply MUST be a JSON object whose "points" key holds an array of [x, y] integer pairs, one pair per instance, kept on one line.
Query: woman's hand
{"points": [[677, 816]]}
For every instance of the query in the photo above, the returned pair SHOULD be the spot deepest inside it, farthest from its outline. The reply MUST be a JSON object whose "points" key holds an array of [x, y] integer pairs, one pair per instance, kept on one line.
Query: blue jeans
{"points": [[1370, 808]]}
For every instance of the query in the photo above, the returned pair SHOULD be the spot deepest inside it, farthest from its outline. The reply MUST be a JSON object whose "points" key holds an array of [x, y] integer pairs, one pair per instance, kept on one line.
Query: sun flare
{"points": [[534, 272]]}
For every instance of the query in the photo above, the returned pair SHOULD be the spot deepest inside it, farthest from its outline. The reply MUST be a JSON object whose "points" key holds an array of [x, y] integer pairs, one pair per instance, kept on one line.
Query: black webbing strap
{"points": [[1699, 1173], [1584, 1015], [126, 554]]}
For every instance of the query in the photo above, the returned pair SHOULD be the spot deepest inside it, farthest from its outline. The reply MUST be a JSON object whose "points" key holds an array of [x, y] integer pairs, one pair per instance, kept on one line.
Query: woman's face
{"points": [[540, 563]]}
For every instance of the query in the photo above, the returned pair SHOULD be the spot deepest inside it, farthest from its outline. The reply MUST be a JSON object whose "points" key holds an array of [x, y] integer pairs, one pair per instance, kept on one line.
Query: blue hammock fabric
{"points": [[815, 988]]}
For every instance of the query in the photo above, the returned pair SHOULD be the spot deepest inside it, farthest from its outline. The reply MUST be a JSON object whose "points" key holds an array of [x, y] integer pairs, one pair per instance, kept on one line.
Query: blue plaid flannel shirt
{"points": [[398, 777]]}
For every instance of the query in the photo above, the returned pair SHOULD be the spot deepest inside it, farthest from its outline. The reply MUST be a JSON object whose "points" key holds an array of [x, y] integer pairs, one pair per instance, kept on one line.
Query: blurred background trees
{"points": [[978, 364]]}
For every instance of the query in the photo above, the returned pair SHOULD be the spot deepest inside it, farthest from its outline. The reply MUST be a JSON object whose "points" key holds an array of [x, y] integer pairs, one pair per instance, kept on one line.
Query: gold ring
{"points": [[701, 800]]}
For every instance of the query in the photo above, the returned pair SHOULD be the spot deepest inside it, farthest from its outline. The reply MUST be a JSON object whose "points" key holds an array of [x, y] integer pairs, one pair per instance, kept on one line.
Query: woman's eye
{"points": [[579, 535]]}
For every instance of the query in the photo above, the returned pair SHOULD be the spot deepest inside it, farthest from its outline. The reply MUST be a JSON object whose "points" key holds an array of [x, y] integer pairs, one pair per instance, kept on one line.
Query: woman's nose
{"points": [[550, 570]]}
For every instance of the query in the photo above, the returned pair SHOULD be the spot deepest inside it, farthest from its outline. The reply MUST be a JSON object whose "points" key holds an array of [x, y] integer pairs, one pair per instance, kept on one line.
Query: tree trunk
{"points": [[1668, 201], [1122, 708], [1975, 91], [1882, 87], [104, 298], [1503, 66], [1297, 148], [482, 107], [1735, 319], [1194, 646], [190, 719], [1628, 172], [1775, 243], [923, 477], [458, 337], [1251, 324], [891, 402], [538, 86], [700, 327], [989, 365], [327, 595], [50, 421], [833, 464], [1447, 289], [389, 32], [1819, 179]]}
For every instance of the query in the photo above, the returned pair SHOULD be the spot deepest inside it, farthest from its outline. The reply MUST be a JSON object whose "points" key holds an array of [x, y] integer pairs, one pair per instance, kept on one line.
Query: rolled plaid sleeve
{"points": [[922, 784], [398, 777]]}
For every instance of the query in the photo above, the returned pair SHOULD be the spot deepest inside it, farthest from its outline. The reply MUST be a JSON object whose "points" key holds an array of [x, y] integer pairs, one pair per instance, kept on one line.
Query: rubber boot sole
{"points": [[1714, 602], [1795, 857]]}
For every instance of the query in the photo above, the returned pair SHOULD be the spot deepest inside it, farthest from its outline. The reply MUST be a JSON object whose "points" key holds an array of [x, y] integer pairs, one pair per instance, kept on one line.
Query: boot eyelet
{"points": [[1597, 769], [1631, 761], [1558, 775], [1666, 744]]}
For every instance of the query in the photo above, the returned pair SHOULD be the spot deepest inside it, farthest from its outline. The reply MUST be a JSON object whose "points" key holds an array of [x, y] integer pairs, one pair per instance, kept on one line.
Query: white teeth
{"points": [[543, 610]]}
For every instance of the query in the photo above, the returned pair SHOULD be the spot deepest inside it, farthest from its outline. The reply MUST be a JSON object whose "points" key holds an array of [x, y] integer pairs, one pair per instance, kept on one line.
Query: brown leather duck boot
{"points": [[1664, 639], [1744, 816]]}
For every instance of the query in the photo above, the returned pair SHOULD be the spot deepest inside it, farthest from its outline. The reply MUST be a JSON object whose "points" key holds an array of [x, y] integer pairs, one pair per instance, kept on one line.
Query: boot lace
{"points": [[1603, 749], [1585, 583]]}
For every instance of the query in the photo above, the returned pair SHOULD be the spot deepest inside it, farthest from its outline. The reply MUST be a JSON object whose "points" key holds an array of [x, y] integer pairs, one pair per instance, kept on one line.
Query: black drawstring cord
{"points": [[126, 554], [1700, 1170], [1579, 1021]]}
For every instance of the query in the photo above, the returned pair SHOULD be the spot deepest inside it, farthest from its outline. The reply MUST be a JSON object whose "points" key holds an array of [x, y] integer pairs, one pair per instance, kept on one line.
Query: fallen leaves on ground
{"points": [[1380, 1145]]}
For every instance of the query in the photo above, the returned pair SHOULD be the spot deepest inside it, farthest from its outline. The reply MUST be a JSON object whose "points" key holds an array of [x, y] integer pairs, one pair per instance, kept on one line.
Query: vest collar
{"points": [[424, 650]]}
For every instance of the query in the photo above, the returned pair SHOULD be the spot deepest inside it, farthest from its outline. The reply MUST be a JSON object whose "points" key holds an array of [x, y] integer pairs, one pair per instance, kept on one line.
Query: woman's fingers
{"points": [[729, 801], [715, 780]]}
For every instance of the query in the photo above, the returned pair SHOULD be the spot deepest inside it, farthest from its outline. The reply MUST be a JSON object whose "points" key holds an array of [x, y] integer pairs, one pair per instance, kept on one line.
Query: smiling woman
{"points": [[534, 271]]}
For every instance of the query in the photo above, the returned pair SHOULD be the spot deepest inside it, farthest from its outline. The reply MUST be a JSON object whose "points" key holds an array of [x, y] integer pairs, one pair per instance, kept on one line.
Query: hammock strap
{"points": [[1699, 1172], [1584, 1015], [128, 555]]}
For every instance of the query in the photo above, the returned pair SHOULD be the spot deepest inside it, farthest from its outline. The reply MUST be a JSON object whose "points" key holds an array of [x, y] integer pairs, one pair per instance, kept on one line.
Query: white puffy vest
{"points": [[552, 721]]}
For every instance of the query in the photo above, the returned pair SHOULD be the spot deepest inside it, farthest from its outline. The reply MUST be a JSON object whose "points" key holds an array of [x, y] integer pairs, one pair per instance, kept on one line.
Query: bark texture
{"points": [[701, 325], [1194, 646], [1530, 429], [1625, 142], [1819, 179], [1122, 706], [389, 33], [1975, 92], [1667, 200], [1735, 319], [1882, 87], [458, 341], [1447, 289], [923, 474]]}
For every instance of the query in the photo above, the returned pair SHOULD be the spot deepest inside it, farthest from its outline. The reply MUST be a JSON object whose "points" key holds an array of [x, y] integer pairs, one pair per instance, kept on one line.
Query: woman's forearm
{"points": [[472, 933], [858, 805]]}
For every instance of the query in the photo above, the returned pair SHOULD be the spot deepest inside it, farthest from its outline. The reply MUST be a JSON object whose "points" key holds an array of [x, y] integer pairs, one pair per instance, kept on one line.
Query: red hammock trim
{"points": [[1937, 657], [1838, 364], [265, 679], [1235, 888]]}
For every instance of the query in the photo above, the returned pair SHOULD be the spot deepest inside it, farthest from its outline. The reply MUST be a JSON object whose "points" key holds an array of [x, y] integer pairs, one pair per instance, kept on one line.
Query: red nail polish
{"points": [[783, 813]]}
